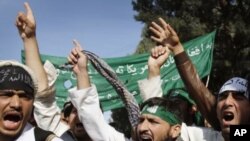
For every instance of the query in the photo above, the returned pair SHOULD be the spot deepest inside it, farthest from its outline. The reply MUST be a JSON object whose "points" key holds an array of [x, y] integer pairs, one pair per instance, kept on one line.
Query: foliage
{"points": [[192, 18]]}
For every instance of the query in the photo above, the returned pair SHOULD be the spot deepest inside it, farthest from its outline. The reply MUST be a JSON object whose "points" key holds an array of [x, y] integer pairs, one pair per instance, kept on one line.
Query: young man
{"points": [[86, 101], [159, 121], [151, 87], [18, 87], [46, 112], [231, 106]]}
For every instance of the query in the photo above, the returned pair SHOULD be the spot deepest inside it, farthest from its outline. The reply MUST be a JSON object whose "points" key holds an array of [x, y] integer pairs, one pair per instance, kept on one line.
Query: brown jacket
{"points": [[205, 100]]}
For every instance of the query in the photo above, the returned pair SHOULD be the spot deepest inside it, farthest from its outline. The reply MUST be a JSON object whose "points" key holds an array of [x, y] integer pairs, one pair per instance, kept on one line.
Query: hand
{"points": [[159, 55], [25, 23], [164, 34], [78, 59]]}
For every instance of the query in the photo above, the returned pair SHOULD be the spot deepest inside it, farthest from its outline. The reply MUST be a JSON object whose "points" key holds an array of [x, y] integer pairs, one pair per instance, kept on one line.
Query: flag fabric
{"points": [[132, 68]]}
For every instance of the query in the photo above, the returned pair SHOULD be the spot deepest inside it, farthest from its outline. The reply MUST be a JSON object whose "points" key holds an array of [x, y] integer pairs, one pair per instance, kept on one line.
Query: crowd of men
{"points": [[28, 109]]}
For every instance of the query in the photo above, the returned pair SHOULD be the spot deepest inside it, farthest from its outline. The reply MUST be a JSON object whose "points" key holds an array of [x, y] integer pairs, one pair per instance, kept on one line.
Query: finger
{"points": [[70, 60], [156, 32], [79, 51], [18, 22], [163, 23], [157, 27], [73, 58], [166, 50], [74, 52], [29, 11], [77, 44], [155, 39], [153, 52], [161, 50], [171, 30], [24, 20]]}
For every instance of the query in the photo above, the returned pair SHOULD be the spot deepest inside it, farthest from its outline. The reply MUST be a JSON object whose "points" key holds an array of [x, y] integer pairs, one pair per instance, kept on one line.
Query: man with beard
{"points": [[232, 105], [151, 87], [159, 121]]}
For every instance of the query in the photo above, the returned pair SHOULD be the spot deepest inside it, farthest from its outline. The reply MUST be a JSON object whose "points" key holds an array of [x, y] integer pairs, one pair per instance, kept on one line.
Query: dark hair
{"points": [[172, 95], [67, 108]]}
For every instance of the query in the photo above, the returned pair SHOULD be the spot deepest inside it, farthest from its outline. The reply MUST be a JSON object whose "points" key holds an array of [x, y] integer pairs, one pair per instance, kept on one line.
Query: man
{"points": [[151, 87], [86, 101], [18, 87], [46, 112], [17, 91], [232, 106], [159, 121], [190, 115]]}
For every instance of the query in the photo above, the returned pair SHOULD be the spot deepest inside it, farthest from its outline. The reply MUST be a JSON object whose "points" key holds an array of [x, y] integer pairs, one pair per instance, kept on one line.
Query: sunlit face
{"points": [[153, 128], [76, 126], [233, 108], [15, 110]]}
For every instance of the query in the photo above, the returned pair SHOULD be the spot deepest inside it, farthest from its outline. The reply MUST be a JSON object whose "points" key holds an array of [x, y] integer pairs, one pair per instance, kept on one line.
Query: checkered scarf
{"points": [[128, 99]]}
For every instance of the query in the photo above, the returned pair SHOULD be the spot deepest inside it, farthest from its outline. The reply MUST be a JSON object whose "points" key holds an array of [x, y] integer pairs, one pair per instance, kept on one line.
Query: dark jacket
{"points": [[205, 100]]}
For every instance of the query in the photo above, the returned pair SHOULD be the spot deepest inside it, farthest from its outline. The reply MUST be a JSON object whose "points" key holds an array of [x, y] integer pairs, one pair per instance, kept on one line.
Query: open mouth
{"points": [[79, 125], [145, 138], [12, 120], [228, 116]]}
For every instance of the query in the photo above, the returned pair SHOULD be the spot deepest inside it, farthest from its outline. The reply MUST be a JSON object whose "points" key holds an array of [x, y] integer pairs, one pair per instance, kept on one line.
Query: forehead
{"points": [[151, 117], [232, 93], [12, 91]]}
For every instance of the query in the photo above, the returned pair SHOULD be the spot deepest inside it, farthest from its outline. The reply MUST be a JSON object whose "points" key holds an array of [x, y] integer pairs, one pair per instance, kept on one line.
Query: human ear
{"points": [[175, 131]]}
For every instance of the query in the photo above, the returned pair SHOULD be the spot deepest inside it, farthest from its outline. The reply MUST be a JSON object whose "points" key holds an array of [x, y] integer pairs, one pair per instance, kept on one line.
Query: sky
{"points": [[104, 27]]}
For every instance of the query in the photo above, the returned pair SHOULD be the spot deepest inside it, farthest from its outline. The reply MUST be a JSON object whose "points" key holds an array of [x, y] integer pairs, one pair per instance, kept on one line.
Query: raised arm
{"points": [[86, 100], [151, 87], [46, 112], [206, 102], [26, 26], [80, 66], [158, 57]]}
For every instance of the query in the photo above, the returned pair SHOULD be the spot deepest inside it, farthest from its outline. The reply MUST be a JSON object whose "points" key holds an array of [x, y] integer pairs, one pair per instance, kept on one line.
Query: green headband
{"points": [[162, 113]]}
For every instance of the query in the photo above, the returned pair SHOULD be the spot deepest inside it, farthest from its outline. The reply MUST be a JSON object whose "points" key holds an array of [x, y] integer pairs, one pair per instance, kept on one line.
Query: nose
{"points": [[229, 100], [143, 126], [15, 102]]}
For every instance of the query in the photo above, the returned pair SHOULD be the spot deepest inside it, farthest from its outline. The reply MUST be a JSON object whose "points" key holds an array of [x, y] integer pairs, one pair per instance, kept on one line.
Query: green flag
{"points": [[132, 68]]}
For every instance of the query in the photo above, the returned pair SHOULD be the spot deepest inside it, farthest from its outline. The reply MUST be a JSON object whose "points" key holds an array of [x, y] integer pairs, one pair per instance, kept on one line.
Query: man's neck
{"points": [[6, 138], [226, 136], [85, 138]]}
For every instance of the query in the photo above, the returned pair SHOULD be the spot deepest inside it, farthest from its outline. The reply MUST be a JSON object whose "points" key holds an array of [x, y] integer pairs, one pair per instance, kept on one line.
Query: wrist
{"points": [[153, 71], [29, 38], [177, 49]]}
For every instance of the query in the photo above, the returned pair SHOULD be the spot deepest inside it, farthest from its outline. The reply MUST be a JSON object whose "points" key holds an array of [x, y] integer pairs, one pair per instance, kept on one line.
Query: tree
{"points": [[197, 17], [193, 18]]}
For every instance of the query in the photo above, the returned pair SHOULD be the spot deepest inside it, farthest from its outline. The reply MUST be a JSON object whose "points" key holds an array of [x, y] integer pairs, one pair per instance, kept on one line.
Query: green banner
{"points": [[132, 68]]}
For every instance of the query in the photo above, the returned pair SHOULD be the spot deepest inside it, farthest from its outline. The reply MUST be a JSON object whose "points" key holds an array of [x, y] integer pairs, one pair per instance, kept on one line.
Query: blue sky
{"points": [[105, 27]]}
